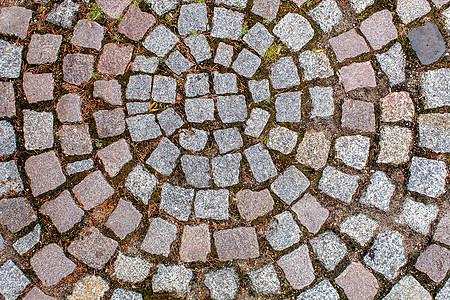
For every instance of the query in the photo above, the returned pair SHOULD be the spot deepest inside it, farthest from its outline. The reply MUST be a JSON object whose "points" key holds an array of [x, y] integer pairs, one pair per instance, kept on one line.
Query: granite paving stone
{"points": [[427, 176], [330, 250], [357, 75], [10, 59], [228, 139], [441, 234], [408, 288], [195, 243], [68, 108], [124, 219], [164, 158], [235, 3], [28, 241], [169, 121], [254, 204], [199, 46], [397, 106], [265, 280], [36, 293], [348, 45], [232, 109], [177, 201], [16, 213], [93, 190], [435, 262], [193, 18], [360, 5], [7, 138], [246, 64], [227, 24], [109, 91], [88, 34], [283, 231], [294, 31], [43, 48], [141, 183], [440, 3], [327, 14], [225, 83], [290, 185], [358, 115], [113, 8], [212, 204], [78, 68], [196, 85], [434, 131], [2, 243], [38, 87], [428, 43], [10, 181], [164, 89], [379, 192], [395, 144], [75, 139], [284, 74], [339, 185], [80, 166], [139, 87], [122, 294], [259, 89], [359, 227], [197, 171], [193, 139], [14, 20], [135, 23], [62, 14], [225, 169], [322, 290], [353, 150], [379, 29], [110, 123], [259, 38], [7, 97], [163, 6], [134, 108], [222, 284], [282, 139], [410, 10], [199, 110], [260, 162], [160, 41], [313, 150], [288, 107], [297, 267], [268, 9], [358, 282], [12, 280], [444, 292], [436, 88], [224, 54], [310, 213], [322, 101], [315, 65], [143, 127], [131, 269], [89, 287], [178, 63], [393, 64], [418, 216], [145, 64], [172, 279], [236, 243], [160, 236], [114, 59], [256, 123]]}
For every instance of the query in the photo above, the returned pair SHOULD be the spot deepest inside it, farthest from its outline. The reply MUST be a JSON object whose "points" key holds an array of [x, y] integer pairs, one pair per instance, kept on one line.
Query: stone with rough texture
{"points": [[357, 282], [164, 89], [330, 250], [177, 201], [124, 219], [225, 83], [348, 45], [232, 109], [37, 129], [195, 243], [75, 139], [338, 185], [434, 131], [397, 106], [223, 283], [199, 110], [439, 3], [428, 43], [141, 183], [327, 14], [393, 64], [193, 139], [193, 18], [288, 107], [408, 288], [282, 139], [62, 14], [10, 59], [418, 216], [114, 59], [259, 89], [268, 9], [256, 123], [227, 24], [436, 87], [199, 46], [163, 6], [358, 115], [38, 87], [7, 98], [139, 87], [172, 279], [260, 162], [90, 287], [109, 123], [290, 185], [254, 204], [284, 74], [27, 242], [410, 10], [115, 156], [196, 170], [109, 91], [228, 139], [297, 267], [93, 190], [379, 29], [121, 294], [78, 68], [442, 232], [14, 20], [68, 108], [379, 192], [164, 158], [143, 127], [131, 269], [395, 144], [178, 63], [435, 262], [322, 101], [360, 5], [283, 231], [145, 64], [360, 228], [315, 65], [135, 23], [246, 64], [353, 150], [310, 213], [15, 214], [7, 138], [12, 280], [236, 243], [36, 293], [259, 38], [427, 176], [80, 166], [196, 85], [225, 169], [113, 8], [169, 121], [160, 236], [88, 34], [444, 293], [134, 108], [265, 280], [10, 181], [294, 30], [43, 48], [212, 204], [357, 75], [224, 54], [313, 150], [322, 290], [160, 41]]}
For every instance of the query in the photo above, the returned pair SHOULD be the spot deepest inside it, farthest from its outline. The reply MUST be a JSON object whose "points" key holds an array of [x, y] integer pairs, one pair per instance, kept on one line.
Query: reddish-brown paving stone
{"points": [[236, 243], [115, 156], [297, 267], [43, 48], [357, 282], [195, 243], [348, 45], [93, 190], [15, 20], [268, 9], [68, 108], [45, 173], [7, 100], [37, 294], [109, 91], [51, 265], [114, 59], [88, 34], [75, 139], [135, 23], [310, 213], [435, 262], [357, 75], [63, 211], [358, 115], [38, 87], [252, 205], [78, 68], [16, 213], [113, 8], [442, 233], [93, 248], [110, 123], [397, 106], [379, 29], [124, 219]]}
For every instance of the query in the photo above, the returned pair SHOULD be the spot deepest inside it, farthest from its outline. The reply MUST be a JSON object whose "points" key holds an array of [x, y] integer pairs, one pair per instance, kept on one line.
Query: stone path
{"points": [[224, 149]]}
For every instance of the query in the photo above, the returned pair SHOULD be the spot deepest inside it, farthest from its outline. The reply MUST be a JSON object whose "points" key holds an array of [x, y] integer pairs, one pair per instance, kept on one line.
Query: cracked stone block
{"points": [[282, 139], [360, 228], [225, 169], [113, 8], [114, 59], [141, 183], [290, 185], [7, 138], [322, 101], [358, 282], [164, 89], [330, 250], [236, 243], [199, 47], [109, 91], [297, 267], [353, 150], [260, 162], [38, 87], [227, 24], [12, 280], [428, 43], [93, 190], [232, 109], [124, 219], [256, 123], [393, 64], [259, 89], [379, 192], [265, 280], [163, 6], [193, 18], [327, 14], [313, 150], [397, 106], [268, 9], [310, 213], [283, 231], [224, 54], [360, 5], [36, 293], [143, 127], [434, 132], [436, 88], [10, 181], [15, 214], [387, 254], [93, 248], [195, 243], [178, 63], [196, 85], [284, 74], [358, 115], [259, 39], [110, 123], [7, 97], [43, 48], [435, 262], [88, 34], [177, 201], [135, 23], [68, 108], [223, 284], [139, 87], [62, 14], [80, 166], [228, 139], [160, 236], [294, 31], [395, 145], [164, 158], [10, 59], [348, 45], [288, 107], [337, 184], [63, 211], [45, 173], [160, 41], [212, 204], [197, 171], [418, 216], [78, 68], [225, 83], [441, 234], [315, 65], [322, 290], [410, 10], [51, 264], [131, 269], [408, 287], [90, 287], [169, 121], [75, 139], [145, 64], [254, 204], [246, 64], [357, 75], [121, 294], [193, 139], [379, 29], [172, 279], [14, 20], [27, 242]]}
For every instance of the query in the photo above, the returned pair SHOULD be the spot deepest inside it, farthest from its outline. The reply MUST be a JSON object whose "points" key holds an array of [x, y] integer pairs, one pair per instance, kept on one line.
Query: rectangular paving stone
{"points": [[130, 269], [315, 65], [68, 108], [226, 24], [314, 149], [164, 158], [14, 20], [114, 59], [196, 85], [393, 64], [322, 101], [115, 156], [16, 213], [428, 43], [169, 121], [225, 83], [435, 262], [109, 123], [294, 31], [38, 87], [228, 139], [268, 9], [436, 88], [410, 10], [232, 109], [360, 5], [124, 219], [290, 185], [80, 166], [224, 54], [395, 145], [235, 3], [310, 213], [93, 190], [63, 14], [109, 91], [427, 176], [78, 68], [10, 181], [134, 108], [181, 275], [323, 289], [36, 293], [246, 64], [145, 64], [160, 41], [288, 107], [379, 29], [37, 129], [297, 267], [358, 115], [261, 163], [379, 192], [222, 282], [7, 138], [7, 100], [141, 183], [259, 38], [397, 106], [256, 123], [160, 236], [164, 89], [135, 23], [199, 47], [28, 241], [193, 18], [283, 231], [353, 150], [178, 63], [360, 228], [143, 127], [408, 285], [348, 45], [226, 168], [195, 243], [113, 8], [12, 280], [418, 216], [282, 139], [358, 282], [193, 139], [88, 34], [357, 75], [259, 89], [75, 139], [441, 234], [330, 250], [337, 184], [327, 14], [10, 59], [196, 170], [212, 204], [43, 48], [139, 87], [284, 74], [254, 204], [236, 243], [177, 201], [265, 280]]}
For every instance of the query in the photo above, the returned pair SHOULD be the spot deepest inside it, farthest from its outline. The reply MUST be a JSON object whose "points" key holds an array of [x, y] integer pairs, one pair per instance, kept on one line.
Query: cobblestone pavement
{"points": [[224, 149]]}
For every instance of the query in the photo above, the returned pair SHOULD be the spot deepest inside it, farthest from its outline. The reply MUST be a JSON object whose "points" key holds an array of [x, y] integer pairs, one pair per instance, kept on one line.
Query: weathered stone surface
{"points": [[408, 288], [297, 267], [393, 64], [353, 150], [145, 64], [260, 162], [268, 9], [290, 185], [196, 85], [444, 293], [322, 101], [360, 228], [121, 294], [427, 176], [246, 64], [310, 213], [131, 269], [177, 201], [164, 158], [236, 243], [63, 14], [172, 279], [294, 30], [164, 89], [135, 23], [224, 54], [322, 290], [357, 282], [330, 250], [434, 132], [196, 170], [212, 204], [15, 214], [109, 91], [265, 280], [428, 43], [436, 88], [397, 106], [228, 139], [327, 14], [418, 216], [256, 123], [115, 156], [68, 108], [288, 107], [7, 97], [259, 89], [435, 262], [7, 138], [178, 63], [442, 232], [160, 41], [163, 6], [80, 166], [223, 283], [43, 48], [110, 123], [358, 115], [360, 5], [36, 293], [338, 185], [284, 74], [379, 29], [254, 204], [38, 87], [113, 8], [28, 241], [37, 129], [141, 183], [227, 24], [199, 110], [193, 139], [169, 121], [235, 3], [439, 3], [134, 108], [379, 192], [225, 83], [199, 46], [348, 45], [315, 65], [114, 59], [395, 144], [409, 10], [78, 68], [75, 139], [259, 38], [10, 59], [193, 18], [90, 287], [124, 219], [313, 149], [357, 75], [88, 34], [195, 243], [282, 139], [12, 280], [283, 231], [139, 87], [232, 109], [10, 181], [225, 169], [93, 190], [160, 236], [14, 20]]}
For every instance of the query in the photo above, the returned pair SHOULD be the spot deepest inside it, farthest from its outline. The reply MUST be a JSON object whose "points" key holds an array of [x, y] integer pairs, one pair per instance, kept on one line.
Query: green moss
{"points": [[273, 52], [244, 29], [95, 13]]}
